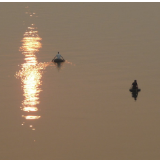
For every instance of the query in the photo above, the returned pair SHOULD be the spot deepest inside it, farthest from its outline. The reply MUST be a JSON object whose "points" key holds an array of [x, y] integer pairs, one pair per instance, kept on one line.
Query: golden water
{"points": [[81, 109]]}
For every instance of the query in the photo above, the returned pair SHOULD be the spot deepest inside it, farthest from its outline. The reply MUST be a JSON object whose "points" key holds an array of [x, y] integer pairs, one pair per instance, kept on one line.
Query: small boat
{"points": [[134, 90], [58, 60]]}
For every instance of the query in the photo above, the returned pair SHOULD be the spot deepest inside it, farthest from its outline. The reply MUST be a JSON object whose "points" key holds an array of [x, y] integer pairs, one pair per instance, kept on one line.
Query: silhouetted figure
{"points": [[135, 85], [134, 89], [58, 57], [57, 60]]}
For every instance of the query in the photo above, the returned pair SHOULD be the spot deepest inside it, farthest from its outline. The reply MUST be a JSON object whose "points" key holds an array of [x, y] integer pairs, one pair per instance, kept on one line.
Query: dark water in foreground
{"points": [[81, 109]]}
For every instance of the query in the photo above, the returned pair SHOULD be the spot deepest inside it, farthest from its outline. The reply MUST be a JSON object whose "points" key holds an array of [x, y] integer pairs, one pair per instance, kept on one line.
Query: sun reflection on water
{"points": [[31, 73]]}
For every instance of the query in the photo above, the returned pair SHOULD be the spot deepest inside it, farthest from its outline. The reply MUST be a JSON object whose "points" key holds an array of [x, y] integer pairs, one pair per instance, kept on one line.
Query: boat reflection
{"points": [[134, 93], [31, 73], [58, 65]]}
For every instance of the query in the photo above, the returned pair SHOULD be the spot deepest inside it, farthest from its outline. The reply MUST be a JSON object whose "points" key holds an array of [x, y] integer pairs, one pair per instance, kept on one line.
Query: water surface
{"points": [[81, 109]]}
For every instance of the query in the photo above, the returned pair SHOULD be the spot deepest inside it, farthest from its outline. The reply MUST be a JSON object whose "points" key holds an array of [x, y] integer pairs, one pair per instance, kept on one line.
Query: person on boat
{"points": [[135, 85], [58, 56]]}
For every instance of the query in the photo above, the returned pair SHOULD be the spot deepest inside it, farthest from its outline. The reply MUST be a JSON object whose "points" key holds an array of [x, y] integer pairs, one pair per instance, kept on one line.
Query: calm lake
{"points": [[81, 109]]}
